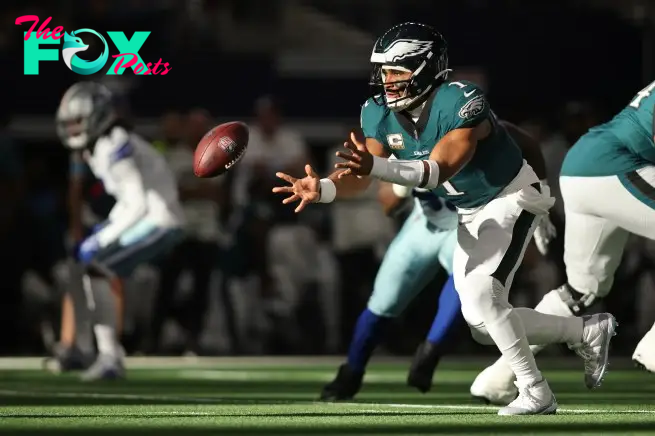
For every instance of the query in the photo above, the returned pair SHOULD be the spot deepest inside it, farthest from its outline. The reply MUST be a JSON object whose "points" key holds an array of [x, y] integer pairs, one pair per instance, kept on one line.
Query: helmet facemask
{"points": [[412, 91]]}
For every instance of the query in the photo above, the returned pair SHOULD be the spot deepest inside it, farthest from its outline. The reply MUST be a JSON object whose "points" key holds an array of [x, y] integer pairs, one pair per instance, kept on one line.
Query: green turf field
{"points": [[276, 396]]}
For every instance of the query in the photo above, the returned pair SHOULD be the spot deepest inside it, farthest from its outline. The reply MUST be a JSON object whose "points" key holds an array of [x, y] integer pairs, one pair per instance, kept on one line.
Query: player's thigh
{"points": [[133, 249], [593, 247], [494, 241], [635, 201], [410, 263], [597, 228], [490, 248]]}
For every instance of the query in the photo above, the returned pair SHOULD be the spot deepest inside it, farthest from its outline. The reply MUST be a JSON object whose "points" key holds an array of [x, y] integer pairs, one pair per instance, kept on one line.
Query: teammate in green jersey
{"points": [[444, 138], [608, 187]]}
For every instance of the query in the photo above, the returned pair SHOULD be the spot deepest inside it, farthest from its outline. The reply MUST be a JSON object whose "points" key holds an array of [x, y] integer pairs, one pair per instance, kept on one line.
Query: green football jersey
{"points": [[622, 145], [453, 105]]}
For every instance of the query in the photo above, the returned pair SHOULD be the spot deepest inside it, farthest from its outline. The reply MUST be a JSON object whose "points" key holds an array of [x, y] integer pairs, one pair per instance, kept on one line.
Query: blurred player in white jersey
{"points": [[145, 222]]}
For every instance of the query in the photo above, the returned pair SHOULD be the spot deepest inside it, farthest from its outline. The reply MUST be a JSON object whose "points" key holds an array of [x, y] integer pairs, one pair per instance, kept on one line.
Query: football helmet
{"points": [[413, 48], [85, 112]]}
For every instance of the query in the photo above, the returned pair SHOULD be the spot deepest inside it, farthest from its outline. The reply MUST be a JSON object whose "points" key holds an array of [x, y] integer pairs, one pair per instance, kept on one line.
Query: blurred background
{"points": [[254, 278]]}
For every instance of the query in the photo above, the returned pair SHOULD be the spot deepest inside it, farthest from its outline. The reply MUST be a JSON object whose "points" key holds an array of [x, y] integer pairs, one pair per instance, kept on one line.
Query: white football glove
{"points": [[545, 231]]}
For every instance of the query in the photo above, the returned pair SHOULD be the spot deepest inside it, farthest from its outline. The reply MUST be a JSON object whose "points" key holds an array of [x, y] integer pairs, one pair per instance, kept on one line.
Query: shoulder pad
{"points": [[466, 100], [371, 115]]}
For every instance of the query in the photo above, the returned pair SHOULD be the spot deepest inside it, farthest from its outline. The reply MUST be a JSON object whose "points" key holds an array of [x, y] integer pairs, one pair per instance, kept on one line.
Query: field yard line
{"points": [[490, 408], [17, 393], [368, 405]]}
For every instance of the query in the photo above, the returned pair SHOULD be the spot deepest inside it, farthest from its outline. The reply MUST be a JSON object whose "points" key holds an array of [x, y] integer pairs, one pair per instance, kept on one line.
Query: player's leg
{"points": [[639, 218], [593, 247], [67, 328], [408, 265], [490, 248], [444, 326], [75, 349], [644, 354], [143, 244]]}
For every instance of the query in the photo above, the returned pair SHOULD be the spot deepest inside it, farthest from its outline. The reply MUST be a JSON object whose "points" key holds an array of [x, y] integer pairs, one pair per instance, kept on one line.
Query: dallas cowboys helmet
{"points": [[86, 111], [409, 47]]}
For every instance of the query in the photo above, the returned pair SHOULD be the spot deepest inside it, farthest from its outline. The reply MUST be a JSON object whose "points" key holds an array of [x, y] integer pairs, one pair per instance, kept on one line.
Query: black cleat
{"points": [[423, 366], [67, 359], [344, 386]]}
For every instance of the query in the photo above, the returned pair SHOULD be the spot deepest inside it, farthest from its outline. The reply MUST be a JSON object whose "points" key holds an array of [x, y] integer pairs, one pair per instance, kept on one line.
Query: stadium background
{"points": [[555, 67]]}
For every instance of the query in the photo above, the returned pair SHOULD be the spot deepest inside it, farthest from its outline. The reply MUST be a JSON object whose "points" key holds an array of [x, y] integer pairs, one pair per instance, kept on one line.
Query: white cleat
{"points": [[495, 384], [105, 367], [597, 333], [644, 355], [536, 399]]}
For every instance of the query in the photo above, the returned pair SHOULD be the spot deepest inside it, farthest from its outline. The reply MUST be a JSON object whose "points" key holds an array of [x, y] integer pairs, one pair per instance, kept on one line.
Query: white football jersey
{"points": [[138, 177]]}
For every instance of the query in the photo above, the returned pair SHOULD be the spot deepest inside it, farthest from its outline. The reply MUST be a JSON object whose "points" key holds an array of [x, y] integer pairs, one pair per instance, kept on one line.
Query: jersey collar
{"points": [[405, 120]]}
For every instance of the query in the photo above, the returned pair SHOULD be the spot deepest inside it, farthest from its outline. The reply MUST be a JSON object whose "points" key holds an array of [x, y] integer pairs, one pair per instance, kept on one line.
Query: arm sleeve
{"points": [[131, 203]]}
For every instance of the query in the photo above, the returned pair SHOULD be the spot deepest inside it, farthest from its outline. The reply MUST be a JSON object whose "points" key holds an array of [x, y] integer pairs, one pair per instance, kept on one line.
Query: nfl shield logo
{"points": [[227, 144]]}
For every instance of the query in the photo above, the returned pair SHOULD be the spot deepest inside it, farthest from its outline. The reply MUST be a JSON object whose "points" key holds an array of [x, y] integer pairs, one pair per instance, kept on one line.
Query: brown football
{"points": [[220, 149]]}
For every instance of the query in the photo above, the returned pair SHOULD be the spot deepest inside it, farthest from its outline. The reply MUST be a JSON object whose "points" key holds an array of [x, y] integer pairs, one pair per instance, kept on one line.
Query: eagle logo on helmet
{"points": [[472, 108], [405, 48]]}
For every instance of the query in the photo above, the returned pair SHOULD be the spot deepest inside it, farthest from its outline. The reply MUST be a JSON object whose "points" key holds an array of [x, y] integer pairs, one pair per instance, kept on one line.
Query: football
{"points": [[220, 149]]}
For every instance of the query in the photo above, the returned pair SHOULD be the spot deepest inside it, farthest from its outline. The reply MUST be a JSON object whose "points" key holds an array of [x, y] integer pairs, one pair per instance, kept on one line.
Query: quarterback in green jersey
{"points": [[608, 187], [444, 138]]}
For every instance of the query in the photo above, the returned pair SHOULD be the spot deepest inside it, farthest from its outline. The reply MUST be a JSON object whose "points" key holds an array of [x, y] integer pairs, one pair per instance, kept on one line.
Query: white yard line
{"points": [[367, 406], [491, 408]]}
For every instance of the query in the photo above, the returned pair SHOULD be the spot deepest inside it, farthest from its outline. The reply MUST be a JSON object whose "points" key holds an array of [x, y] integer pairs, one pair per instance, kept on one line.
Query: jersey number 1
{"points": [[642, 95]]}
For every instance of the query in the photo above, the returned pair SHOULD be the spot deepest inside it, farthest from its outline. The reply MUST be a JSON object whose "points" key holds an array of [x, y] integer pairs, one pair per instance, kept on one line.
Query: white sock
{"points": [[106, 339], [544, 329], [550, 304], [508, 333]]}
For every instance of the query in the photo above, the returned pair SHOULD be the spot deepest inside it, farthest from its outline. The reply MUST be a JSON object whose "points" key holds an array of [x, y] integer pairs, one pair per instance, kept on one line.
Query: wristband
{"points": [[327, 191]]}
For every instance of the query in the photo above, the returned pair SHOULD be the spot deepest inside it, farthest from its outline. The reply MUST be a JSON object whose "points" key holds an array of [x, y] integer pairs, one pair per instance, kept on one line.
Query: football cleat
{"points": [[644, 354], [66, 359], [536, 399], [598, 331], [423, 366], [344, 386], [105, 367], [495, 384]]}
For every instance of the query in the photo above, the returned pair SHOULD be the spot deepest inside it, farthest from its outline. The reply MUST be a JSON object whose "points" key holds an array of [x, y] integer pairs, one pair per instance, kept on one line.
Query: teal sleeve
{"points": [[370, 118], [471, 107]]}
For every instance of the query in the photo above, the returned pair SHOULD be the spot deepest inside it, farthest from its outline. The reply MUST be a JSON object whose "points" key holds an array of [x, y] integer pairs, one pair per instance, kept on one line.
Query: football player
{"points": [[446, 139], [144, 223], [608, 187], [425, 240]]}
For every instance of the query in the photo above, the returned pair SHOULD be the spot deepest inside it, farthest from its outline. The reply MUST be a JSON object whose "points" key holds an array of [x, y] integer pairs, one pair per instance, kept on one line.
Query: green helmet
{"points": [[415, 48], [85, 112]]}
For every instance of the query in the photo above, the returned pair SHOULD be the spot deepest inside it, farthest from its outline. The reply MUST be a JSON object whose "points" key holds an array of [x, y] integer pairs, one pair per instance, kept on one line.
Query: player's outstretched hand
{"points": [[306, 189], [359, 161]]}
